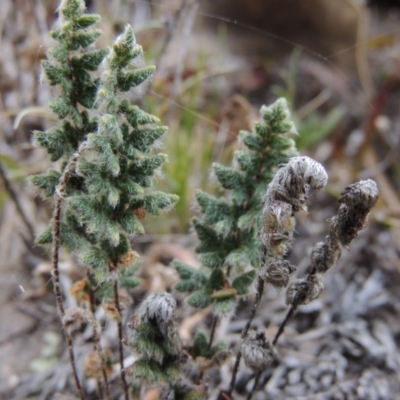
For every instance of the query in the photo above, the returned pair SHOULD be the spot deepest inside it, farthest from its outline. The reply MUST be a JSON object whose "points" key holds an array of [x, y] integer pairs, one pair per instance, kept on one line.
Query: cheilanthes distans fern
{"points": [[106, 147], [230, 248]]}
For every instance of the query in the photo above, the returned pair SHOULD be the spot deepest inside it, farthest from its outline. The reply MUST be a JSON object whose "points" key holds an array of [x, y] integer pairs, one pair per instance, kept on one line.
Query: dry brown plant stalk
{"points": [[112, 267], [55, 259], [356, 202]]}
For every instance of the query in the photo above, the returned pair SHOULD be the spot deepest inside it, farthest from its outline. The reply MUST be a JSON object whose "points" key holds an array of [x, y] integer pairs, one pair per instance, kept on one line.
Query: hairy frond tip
{"points": [[159, 307], [155, 318], [279, 111], [304, 171], [127, 38], [77, 6], [280, 105], [293, 182]]}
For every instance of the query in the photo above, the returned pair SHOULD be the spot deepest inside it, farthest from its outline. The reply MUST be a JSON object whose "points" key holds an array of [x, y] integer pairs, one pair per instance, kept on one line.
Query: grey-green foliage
{"points": [[111, 182], [153, 335], [230, 248]]}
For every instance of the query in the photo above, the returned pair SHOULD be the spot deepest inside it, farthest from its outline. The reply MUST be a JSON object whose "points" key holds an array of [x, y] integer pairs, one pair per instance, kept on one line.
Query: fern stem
{"points": [[96, 338], [55, 259], [210, 342], [234, 373], [212, 333], [57, 291], [289, 315], [120, 337], [98, 348], [256, 380], [73, 364], [259, 293]]}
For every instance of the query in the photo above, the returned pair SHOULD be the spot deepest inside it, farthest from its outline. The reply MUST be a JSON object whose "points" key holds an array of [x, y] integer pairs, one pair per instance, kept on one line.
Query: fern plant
{"points": [[106, 150], [153, 334], [228, 226], [230, 248]]}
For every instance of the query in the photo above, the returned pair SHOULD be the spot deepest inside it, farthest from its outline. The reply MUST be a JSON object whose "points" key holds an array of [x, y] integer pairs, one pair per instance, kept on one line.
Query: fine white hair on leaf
{"points": [[160, 307], [302, 171], [309, 171]]}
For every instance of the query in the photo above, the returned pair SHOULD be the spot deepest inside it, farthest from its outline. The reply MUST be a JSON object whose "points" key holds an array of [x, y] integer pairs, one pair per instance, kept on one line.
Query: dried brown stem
{"points": [[57, 291], [212, 333], [73, 364], [96, 339], [289, 315], [98, 348], [92, 303], [55, 254], [259, 293], [210, 342], [100, 388], [55, 258], [256, 380], [234, 373], [120, 337]]}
